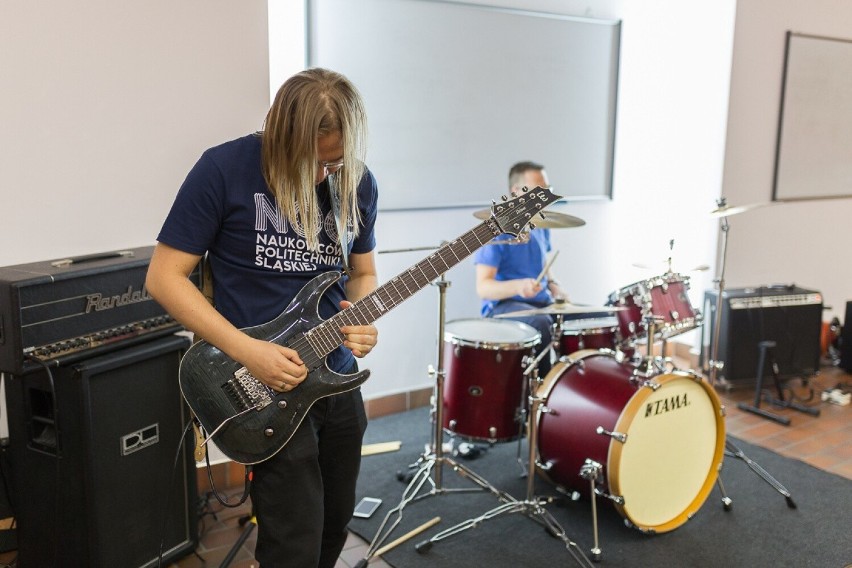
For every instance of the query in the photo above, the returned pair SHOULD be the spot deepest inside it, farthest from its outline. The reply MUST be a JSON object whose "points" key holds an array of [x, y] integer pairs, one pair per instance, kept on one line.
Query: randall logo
{"points": [[99, 302], [666, 405]]}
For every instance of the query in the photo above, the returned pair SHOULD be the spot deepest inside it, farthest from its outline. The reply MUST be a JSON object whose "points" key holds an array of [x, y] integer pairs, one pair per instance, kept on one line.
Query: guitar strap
{"points": [[342, 233]]}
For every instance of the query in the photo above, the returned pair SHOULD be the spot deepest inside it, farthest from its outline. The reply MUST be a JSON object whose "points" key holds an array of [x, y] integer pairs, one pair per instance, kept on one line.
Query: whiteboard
{"points": [[814, 151], [457, 93]]}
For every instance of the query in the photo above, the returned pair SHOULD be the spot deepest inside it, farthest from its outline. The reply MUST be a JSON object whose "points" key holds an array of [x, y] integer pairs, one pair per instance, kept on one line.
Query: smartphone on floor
{"points": [[366, 507]]}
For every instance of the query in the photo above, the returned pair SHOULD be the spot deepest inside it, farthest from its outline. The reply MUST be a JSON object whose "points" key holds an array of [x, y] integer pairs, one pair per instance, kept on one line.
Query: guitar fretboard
{"points": [[326, 337]]}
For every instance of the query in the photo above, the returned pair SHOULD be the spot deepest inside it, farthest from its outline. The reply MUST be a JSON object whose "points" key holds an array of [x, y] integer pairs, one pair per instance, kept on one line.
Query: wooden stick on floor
{"points": [[380, 448], [407, 536]]}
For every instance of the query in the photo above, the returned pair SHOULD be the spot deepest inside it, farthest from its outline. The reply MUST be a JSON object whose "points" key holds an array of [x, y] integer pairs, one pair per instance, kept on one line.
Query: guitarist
{"points": [[261, 209]]}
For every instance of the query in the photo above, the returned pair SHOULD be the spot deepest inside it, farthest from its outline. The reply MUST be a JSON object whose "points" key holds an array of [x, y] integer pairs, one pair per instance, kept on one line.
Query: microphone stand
{"points": [[716, 365]]}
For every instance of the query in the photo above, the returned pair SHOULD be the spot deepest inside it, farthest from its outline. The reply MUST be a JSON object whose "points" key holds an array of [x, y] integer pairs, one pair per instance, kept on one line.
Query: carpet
{"points": [[758, 530]]}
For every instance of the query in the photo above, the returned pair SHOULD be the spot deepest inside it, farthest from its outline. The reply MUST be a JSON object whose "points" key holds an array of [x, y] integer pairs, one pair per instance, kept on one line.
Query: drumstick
{"points": [[380, 448], [407, 536], [546, 267]]}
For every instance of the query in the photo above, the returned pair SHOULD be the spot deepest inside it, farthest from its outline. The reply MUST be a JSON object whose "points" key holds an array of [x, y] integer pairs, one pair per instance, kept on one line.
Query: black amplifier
{"points": [[63, 310], [786, 314]]}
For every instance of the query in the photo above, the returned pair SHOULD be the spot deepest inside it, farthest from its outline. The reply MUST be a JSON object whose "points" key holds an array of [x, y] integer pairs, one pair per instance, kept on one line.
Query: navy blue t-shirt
{"points": [[259, 260]]}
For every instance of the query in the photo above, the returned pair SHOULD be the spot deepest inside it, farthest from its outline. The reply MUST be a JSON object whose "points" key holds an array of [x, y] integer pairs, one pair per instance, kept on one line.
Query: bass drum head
{"points": [[669, 463]]}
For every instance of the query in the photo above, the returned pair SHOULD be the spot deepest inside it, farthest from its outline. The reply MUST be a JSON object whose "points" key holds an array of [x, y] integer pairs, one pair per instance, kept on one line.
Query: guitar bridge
{"points": [[246, 392]]}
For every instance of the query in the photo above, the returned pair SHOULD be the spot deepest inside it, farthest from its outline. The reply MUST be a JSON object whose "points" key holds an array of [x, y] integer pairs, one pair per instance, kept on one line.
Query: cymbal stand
{"points": [[715, 366], [531, 506], [430, 464]]}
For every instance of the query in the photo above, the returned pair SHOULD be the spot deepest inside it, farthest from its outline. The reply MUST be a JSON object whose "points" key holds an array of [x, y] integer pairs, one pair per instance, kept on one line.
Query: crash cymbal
{"points": [[563, 308], [550, 219], [725, 210]]}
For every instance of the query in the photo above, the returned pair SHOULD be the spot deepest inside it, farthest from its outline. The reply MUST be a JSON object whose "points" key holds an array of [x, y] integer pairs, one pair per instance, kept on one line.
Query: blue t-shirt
{"points": [[258, 259], [518, 261]]}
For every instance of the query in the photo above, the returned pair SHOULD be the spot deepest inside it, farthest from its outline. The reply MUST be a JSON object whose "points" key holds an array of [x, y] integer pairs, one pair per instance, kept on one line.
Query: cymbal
{"points": [[664, 265], [549, 220], [563, 308], [728, 210]]}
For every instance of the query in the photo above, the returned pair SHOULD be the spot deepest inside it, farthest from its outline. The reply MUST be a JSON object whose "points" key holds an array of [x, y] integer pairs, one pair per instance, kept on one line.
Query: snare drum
{"points": [[588, 334], [664, 297], [660, 440], [484, 384]]}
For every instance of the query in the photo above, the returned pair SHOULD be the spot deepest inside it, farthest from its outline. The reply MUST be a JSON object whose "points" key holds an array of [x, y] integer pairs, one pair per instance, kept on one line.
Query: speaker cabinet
{"points": [[788, 315], [846, 340], [92, 453]]}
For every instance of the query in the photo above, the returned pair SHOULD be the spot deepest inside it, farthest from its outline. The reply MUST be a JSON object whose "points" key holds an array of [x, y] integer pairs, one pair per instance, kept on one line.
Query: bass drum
{"points": [[660, 439]]}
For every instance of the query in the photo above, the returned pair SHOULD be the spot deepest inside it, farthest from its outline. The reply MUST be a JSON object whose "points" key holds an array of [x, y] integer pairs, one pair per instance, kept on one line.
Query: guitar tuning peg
{"points": [[526, 189], [504, 197], [532, 226]]}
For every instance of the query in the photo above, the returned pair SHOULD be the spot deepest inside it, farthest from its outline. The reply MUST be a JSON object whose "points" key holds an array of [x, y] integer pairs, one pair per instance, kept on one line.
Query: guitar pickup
{"points": [[245, 392]]}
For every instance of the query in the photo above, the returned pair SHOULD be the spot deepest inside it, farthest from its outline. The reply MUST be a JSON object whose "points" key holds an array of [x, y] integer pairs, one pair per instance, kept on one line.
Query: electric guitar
{"points": [[248, 420]]}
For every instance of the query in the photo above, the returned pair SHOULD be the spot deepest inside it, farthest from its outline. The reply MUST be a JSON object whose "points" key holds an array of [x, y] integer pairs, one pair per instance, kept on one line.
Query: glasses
{"points": [[329, 168]]}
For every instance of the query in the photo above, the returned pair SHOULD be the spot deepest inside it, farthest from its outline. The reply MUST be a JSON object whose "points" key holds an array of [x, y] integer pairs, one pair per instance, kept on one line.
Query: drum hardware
{"points": [[429, 466], [591, 471], [614, 435], [532, 506], [531, 382], [723, 211]]}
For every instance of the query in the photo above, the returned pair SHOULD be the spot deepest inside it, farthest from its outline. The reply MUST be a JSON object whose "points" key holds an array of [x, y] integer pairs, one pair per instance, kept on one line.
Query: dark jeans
{"points": [[541, 323], [304, 495]]}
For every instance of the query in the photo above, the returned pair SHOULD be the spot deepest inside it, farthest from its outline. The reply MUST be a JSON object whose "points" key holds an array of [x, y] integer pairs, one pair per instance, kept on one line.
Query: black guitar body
{"points": [[254, 422], [249, 421]]}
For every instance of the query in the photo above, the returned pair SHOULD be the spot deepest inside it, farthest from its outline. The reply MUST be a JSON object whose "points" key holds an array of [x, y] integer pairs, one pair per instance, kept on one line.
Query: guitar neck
{"points": [[326, 337]]}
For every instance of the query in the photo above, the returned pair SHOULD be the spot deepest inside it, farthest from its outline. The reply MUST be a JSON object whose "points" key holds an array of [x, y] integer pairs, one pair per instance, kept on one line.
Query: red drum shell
{"points": [[484, 383], [665, 297], [588, 334]]}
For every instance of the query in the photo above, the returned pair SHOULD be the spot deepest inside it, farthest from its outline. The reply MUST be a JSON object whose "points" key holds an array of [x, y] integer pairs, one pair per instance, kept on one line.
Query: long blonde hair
{"points": [[314, 103]]}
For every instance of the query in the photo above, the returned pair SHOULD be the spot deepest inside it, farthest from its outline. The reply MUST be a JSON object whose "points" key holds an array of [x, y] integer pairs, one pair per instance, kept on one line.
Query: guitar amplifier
{"points": [[64, 310], [788, 315]]}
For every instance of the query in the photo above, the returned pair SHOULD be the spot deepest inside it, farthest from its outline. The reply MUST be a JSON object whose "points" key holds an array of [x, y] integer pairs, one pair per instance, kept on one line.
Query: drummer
{"points": [[506, 274]]}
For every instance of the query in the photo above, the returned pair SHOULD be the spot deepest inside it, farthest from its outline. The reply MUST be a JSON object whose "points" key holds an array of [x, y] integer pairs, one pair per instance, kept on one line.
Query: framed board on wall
{"points": [[814, 148], [457, 93]]}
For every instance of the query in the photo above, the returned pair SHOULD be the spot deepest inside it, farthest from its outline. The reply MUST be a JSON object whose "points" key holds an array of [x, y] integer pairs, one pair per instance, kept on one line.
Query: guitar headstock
{"points": [[513, 215]]}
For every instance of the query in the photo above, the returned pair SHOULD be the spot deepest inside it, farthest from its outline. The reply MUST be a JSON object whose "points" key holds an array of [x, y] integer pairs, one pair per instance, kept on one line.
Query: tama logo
{"points": [[99, 302], [666, 405]]}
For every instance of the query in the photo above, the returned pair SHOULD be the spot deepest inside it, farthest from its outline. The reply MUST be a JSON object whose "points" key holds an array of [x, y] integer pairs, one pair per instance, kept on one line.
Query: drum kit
{"points": [[605, 422]]}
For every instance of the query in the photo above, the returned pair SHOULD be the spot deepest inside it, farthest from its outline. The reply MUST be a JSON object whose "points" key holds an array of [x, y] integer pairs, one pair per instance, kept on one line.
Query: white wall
{"points": [[670, 134], [803, 242], [104, 107]]}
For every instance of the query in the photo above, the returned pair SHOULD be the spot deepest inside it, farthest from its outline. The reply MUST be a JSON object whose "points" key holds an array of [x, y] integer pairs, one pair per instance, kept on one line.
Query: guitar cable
{"points": [[249, 475], [165, 510]]}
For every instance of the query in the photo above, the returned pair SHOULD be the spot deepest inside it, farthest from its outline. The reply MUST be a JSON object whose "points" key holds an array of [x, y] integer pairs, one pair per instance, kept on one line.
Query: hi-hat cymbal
{"points": [[563, 308], [726, 210], [547, 220]]}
